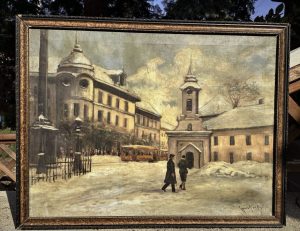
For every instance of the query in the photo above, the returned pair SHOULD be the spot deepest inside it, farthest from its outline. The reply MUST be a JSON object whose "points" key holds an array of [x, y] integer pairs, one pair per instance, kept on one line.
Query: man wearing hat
{"points": [[183, 171], [170, 178]]}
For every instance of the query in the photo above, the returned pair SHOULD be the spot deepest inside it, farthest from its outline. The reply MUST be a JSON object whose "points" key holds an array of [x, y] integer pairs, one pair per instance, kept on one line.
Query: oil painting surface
{"points": [[115, 116]]}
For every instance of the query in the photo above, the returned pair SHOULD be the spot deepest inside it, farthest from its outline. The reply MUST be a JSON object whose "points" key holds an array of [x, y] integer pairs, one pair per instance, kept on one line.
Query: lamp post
{"points": [[77, 158], [78, 123]]}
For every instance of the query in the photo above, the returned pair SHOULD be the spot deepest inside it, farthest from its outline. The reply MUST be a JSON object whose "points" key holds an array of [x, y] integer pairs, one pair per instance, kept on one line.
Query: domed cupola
{"points": [[76, 62]]}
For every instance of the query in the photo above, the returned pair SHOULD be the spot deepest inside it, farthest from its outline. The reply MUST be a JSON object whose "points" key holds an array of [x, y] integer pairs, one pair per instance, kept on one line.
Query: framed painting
{"points": [[139, 124]]}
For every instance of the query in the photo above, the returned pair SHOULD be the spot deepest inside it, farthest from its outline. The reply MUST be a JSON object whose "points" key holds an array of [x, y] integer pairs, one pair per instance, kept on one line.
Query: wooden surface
{"points": [[8, 164], [7, 171], [7, 138]]}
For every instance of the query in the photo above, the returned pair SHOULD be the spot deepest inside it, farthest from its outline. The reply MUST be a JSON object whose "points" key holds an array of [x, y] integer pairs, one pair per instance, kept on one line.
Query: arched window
{"points": [[190, 127], [189, 105]]}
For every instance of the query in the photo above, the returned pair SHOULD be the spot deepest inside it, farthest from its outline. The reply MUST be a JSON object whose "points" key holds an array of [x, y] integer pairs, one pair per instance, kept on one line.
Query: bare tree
{"points": [[236, 91]]}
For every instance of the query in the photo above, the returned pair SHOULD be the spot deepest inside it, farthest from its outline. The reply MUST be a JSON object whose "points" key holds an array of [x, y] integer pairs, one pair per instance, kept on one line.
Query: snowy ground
{"points": [[116, 188]]}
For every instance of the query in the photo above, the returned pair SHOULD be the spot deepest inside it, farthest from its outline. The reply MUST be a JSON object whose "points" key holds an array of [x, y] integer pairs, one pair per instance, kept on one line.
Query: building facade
{"points": [[242, 133], [147, 126], [246, 135], [190, 137], [97, 96]]}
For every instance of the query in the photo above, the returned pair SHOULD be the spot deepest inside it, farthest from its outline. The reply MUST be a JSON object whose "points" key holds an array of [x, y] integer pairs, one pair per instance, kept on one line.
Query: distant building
{"points": [[147, 125], [250, 137], [218, 133], [97, 96], [165, 127]]}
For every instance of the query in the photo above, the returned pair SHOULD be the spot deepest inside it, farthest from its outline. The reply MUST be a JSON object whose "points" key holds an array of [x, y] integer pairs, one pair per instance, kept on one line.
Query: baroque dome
{"points": [[76, 59]]}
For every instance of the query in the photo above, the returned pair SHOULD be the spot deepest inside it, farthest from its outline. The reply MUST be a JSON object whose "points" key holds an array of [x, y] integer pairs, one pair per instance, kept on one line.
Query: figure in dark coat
{"points": [[170, 178], [183, 171]]}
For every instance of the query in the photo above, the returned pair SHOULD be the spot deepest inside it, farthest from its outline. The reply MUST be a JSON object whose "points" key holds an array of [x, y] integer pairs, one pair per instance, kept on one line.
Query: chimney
{"points": [[43, 72]]}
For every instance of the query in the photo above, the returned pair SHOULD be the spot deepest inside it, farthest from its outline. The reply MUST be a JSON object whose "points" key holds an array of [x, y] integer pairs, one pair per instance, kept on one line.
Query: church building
{"points": [[190, 137], [239, 134]]}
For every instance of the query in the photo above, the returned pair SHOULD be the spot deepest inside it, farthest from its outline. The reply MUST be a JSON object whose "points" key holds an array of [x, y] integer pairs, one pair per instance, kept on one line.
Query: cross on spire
{"points": [[190, 66]]}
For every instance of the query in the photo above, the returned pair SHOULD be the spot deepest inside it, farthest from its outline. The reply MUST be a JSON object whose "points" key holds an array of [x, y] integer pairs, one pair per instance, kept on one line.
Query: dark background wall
{"points": [[209, 10]]}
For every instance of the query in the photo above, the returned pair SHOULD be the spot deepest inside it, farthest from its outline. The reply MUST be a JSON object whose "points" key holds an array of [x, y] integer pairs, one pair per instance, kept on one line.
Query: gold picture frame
{"points": [[279, 33]]}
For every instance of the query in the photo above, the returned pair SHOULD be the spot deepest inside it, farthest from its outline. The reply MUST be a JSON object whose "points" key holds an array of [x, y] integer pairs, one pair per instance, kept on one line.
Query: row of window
{"points": [[150, 136], [109, 101], [215, 157], [108, 119], [76, 110], [145, 121], [247, 140]]}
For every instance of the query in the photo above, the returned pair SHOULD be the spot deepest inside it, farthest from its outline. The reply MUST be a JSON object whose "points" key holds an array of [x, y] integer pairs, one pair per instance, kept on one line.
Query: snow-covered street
{"points": [[116, 188]]}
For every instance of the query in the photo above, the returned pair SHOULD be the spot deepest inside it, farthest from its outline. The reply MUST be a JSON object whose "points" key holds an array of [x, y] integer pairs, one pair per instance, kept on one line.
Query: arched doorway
{"points": [[190, 159]]}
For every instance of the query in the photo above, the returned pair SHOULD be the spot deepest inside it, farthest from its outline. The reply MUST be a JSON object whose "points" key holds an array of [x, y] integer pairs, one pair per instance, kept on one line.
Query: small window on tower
{"points": [[189, 91], [190, 127], [189, 105], [231, 140]]}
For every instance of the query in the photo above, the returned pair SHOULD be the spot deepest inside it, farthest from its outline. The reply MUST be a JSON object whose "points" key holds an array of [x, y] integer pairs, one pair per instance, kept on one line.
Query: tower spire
{"points": [[190, 66], [77, 47]]}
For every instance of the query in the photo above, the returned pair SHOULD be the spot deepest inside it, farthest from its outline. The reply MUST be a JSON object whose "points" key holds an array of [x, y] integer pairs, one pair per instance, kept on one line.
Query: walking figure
{"points": [[183, 171], [170, 178]]}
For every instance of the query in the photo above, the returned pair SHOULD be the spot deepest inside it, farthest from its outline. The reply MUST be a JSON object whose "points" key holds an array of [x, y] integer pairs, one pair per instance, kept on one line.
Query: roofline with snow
{"points": [[188, 133], [141, 110], [242, 128], [117, 91]]}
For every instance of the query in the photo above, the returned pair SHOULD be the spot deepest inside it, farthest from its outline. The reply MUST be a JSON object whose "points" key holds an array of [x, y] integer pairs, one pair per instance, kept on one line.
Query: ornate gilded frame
{"points": [[280, 31]]}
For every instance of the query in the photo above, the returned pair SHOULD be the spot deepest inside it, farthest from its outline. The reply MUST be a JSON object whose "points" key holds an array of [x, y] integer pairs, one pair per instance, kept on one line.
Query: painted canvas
{"points": [[151, 124], [120, 103]]}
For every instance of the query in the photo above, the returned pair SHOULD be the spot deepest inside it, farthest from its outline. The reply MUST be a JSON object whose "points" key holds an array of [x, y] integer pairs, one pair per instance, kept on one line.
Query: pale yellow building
{"points": [[147, 125], [243, 133], [96, 96], [99, 97], [218, 133]]}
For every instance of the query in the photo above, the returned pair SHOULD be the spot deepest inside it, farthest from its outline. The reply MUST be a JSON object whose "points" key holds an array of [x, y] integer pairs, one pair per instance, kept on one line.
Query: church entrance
{"points": [[190, 159]]}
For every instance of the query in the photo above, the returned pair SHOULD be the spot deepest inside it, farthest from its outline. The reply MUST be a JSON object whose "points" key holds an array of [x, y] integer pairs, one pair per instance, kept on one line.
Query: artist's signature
{"points": [[253, 209]]}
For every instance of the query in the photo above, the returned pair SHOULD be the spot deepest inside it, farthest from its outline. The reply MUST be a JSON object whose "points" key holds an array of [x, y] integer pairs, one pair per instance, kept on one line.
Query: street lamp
{"points": [[78, 123], [77, 158]]}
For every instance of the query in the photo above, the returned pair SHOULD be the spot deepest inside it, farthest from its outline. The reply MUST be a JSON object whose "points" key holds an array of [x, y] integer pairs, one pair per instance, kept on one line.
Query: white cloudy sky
{"points": [[157, 63]]}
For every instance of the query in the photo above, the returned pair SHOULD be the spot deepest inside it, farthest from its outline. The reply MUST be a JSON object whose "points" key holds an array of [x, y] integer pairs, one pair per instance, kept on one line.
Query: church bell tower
{"points": [[190, 95], [190, 138], [190, 120]]}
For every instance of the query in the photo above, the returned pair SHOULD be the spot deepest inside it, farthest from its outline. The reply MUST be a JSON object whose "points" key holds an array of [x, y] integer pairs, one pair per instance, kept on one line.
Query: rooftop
{"points": [[259, 115], [148, 108], [76, 58], [215, 106]]}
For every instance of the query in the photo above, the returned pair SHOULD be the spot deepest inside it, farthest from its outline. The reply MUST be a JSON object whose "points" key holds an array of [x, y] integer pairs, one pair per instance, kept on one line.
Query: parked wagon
{"points": [[140, 153]]}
